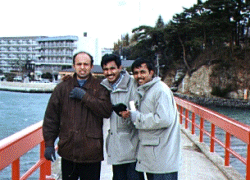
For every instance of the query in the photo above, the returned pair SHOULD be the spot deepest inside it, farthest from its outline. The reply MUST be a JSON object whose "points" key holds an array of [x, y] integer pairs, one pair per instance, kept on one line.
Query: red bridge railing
{"points": [[15, 146], [229, 125]]}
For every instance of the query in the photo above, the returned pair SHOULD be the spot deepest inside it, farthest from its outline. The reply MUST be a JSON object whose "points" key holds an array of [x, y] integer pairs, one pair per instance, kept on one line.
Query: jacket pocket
{"points": [[93, 146], [65, 143], [127, 145], [150, 142], [147, 150], [125, 124]]}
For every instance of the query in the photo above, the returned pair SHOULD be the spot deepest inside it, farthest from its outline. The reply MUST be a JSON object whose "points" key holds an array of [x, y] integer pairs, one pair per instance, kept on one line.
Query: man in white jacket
{"points": [[156, 118], [122, 140]]}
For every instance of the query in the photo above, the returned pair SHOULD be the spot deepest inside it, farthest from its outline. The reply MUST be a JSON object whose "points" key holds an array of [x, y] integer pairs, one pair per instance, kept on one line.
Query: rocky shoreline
{"points": [[215, 101]]}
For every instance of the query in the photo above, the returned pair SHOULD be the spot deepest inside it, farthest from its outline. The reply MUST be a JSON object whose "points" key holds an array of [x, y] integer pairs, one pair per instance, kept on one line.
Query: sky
{"points": [[106, 20]]}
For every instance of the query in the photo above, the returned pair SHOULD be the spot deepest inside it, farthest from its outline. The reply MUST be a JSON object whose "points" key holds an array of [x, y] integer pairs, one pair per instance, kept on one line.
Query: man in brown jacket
{"points": [[75, 114]]}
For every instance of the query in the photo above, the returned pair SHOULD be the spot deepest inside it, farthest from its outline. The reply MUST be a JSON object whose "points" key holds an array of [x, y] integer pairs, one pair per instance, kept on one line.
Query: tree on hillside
{"points": [[181, 35], [150, 43], [121, 47], [202, 34], [142, 40]]}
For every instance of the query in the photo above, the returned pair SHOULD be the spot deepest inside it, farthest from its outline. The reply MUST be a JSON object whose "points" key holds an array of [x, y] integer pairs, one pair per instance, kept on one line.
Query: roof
{"points": [[127, 63], [58, 38], [96, 69]]}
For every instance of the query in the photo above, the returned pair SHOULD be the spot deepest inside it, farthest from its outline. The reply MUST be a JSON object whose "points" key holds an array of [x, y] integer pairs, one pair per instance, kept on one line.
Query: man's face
{"points": [[142, 75], [111, 71], [82, 66]]}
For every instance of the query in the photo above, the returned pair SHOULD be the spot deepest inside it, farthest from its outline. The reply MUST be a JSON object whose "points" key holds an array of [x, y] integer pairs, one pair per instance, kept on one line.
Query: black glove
{"points": [[49, 153], [119, 107], [77, 93]]}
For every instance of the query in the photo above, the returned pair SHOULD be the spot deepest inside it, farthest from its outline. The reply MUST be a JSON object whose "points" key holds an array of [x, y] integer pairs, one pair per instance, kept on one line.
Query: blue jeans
{"points": [[84, 171], [126, 172], [168, 176]]}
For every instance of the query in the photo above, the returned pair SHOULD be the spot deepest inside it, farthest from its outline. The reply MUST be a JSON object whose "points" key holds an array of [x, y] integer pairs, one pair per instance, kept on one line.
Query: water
{"points": [[18, 111], [241, 115]]}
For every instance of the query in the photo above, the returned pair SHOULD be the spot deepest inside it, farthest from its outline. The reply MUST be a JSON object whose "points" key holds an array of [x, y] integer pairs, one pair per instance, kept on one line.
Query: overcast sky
{"points": [[106, 20]]}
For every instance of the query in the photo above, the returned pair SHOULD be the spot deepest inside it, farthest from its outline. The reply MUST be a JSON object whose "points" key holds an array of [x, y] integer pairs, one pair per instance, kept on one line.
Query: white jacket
{"points": [[159, 130], [122, 139]]}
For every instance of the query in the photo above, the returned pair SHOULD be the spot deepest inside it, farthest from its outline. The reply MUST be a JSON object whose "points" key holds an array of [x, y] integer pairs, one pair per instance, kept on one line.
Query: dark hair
{"points": [[111, 57], [139, 61], [91, 58]]}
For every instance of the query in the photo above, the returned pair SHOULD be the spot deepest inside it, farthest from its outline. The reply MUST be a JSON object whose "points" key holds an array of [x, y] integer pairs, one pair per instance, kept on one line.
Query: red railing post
{"points": [[45, 169], [16, 169], [248, 163], [227, 146], [186, 118], [181, 113], [201, 129], [193, 123], [212, 137]]}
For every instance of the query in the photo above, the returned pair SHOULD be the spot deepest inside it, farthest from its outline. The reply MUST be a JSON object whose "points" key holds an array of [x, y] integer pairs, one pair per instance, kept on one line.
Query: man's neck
{"points": [[118, 79], [79, 78], [115, 84]]}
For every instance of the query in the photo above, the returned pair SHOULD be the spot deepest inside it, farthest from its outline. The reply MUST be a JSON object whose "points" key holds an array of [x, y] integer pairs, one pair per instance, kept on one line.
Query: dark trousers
{"points": [[84, 171], [126, 172], [168, 176]]}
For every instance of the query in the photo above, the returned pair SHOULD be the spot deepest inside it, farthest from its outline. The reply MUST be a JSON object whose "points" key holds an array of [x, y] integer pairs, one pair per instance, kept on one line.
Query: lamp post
{"points": [[30, 67], [155, 48]]}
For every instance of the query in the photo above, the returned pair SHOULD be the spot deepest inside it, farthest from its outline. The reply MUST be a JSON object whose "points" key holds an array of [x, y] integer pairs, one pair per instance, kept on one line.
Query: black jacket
{"points": [[77, 123]]}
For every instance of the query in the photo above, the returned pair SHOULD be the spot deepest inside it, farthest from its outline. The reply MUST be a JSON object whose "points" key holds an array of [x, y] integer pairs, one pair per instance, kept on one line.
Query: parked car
{"points": [[2, 78], [45, 81]]}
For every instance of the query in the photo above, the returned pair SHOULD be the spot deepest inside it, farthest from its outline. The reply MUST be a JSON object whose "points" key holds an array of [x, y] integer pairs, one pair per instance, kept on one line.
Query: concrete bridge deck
{"points": [[197, 162]]}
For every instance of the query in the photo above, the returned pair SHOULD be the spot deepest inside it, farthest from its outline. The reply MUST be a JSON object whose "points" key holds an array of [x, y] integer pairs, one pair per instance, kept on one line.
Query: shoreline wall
{"points": [[215, 101], [27, 87]]}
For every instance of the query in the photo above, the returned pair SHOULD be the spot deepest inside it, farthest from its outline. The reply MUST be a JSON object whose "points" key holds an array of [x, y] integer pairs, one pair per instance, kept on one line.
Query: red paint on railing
{"points": [[15, 146], [230, 126]]}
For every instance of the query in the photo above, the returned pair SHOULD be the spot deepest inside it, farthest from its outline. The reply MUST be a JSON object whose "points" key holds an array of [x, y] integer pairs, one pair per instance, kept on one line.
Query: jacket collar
{"points": [[144, 88], [122, 85], [86, 85]]}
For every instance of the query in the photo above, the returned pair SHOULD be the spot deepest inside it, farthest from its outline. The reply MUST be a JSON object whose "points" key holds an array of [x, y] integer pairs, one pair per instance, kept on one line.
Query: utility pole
{"points": [[157, 64]]}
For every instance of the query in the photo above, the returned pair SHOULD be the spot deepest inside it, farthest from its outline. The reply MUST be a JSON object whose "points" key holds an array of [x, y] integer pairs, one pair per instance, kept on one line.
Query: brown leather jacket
{"points": [[77, 123]]}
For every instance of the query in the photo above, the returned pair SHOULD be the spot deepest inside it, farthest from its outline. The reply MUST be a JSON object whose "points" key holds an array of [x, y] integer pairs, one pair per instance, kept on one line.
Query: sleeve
{"points": [[51, 121], [100, 105], [162, 116]]}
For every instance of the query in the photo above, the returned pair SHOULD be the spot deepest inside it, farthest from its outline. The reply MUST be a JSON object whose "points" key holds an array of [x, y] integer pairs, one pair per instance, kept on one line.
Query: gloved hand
{"points": [[49, 153], [119, 107], [77, 93]]}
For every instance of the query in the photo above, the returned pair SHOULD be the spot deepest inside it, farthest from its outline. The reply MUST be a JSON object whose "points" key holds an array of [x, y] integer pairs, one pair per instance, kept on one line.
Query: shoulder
{"points": [[96, 83], [96, 80], [63, 85], [160, 89], [105, 82]]}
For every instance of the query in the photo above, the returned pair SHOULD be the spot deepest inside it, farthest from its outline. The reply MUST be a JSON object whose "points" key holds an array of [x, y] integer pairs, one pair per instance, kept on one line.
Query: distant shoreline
{"points": [[215, 101], [27, 87]]}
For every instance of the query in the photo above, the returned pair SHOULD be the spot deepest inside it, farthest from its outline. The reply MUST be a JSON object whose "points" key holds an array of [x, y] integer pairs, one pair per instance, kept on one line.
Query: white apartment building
{"points": [[47, 54], [16, 51], [55, 54]]}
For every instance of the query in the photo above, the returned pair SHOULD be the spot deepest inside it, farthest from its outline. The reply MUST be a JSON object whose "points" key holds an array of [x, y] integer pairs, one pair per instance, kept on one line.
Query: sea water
{"points": [[18, 111]]}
